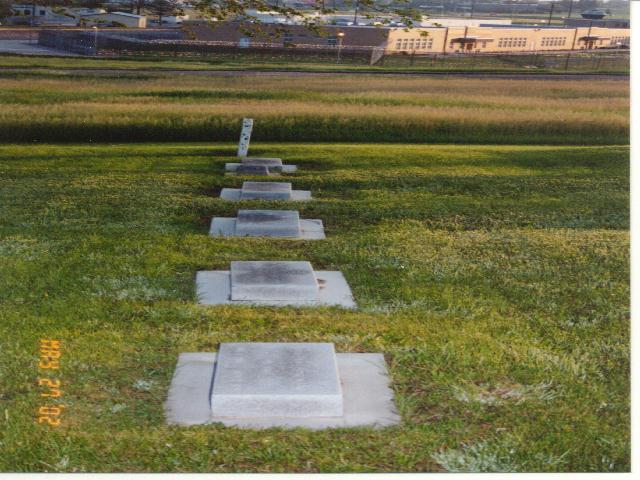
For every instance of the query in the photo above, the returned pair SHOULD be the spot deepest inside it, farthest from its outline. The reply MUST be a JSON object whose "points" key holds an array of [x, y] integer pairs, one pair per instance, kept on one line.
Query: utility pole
{"points": [[95, 40], [355, 13], [553, 4], [570, 8]]}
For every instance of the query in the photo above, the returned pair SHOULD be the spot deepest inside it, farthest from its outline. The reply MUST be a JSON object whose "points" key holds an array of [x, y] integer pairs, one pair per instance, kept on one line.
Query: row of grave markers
{"points": [[263, 385]]}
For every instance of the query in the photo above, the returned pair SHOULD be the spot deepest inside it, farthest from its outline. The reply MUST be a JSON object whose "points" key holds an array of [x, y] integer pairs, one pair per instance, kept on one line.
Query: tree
{"points": [[165, 8], [223, 10], [137, 5], [5, 8]]}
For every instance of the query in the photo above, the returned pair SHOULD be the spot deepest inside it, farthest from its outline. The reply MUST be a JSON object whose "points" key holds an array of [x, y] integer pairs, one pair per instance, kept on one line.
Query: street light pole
{"points": [[553, 4], [355, 13], [340, 36], [95, 40]]}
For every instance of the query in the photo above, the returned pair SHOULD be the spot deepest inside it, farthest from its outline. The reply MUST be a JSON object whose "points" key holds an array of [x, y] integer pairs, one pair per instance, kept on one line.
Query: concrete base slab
{"points": [[232, 167], [235, 194], [367, 398], [213, 287], [226, 227]]}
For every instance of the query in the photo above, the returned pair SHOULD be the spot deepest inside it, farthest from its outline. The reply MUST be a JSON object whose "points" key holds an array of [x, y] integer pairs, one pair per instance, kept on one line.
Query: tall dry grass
{"points": [[316, 108]]}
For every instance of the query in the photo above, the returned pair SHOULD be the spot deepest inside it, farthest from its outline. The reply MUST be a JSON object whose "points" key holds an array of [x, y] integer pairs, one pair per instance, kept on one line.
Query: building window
{"points": [[332, 41], [287, 39], [398, 44], [405, 42], [430, 44]]}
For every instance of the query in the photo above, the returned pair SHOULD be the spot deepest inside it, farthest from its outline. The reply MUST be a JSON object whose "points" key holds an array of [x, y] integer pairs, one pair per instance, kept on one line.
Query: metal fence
{"points": [[171, 43], [570, 61]]}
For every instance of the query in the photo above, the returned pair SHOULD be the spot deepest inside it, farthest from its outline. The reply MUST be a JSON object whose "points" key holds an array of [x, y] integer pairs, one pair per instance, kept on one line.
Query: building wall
{"points": [[126, 20], [421, 41], [503, 40]]}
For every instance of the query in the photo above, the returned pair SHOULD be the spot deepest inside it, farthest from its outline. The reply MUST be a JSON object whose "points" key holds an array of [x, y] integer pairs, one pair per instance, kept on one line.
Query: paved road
{"points": [[229, 73], [25, 47]]}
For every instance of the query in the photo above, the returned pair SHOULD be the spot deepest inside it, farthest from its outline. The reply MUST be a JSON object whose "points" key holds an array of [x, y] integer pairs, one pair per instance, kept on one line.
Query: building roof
{"points": [[125, 14], [354, 36]]}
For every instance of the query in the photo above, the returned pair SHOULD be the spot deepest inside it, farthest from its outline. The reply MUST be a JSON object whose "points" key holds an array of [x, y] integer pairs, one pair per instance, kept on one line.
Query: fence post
{"points": [[566, 62]]}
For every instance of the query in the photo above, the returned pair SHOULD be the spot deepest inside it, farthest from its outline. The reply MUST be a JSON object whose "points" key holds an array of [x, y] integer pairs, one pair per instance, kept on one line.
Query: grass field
{"points": [[49, 107], [495, 279], [610, 61]]}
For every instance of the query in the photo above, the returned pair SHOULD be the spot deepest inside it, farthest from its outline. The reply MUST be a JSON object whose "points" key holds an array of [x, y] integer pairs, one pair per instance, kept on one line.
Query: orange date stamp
{"points": [[51, 387]]}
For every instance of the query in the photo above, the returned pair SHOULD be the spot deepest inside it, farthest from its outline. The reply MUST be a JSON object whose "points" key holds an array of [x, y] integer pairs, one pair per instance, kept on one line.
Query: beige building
{"points": [[496, 39], [118, 19], [419, 41]]}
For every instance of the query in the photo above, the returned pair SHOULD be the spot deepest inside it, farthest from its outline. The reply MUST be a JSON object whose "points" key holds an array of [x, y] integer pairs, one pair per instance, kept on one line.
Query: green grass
{"points": [[580, 63], [495, 279], [338, 108]]}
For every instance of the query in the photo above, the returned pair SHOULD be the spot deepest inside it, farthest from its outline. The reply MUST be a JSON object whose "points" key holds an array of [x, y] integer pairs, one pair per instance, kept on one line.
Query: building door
{"points": [[589, 44]]}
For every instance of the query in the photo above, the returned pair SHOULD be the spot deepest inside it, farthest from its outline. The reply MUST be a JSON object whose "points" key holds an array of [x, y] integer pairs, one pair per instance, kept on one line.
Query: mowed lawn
{"points": [[495, 279]]}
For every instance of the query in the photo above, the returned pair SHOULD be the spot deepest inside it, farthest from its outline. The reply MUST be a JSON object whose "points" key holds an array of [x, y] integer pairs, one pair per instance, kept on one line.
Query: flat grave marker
{"points": [[266, 191], [285, 385], [276, 223], [273, 165], [276, 283], [276, 380], [272, 191], [253, 170], [268, 224], [273, 281]]}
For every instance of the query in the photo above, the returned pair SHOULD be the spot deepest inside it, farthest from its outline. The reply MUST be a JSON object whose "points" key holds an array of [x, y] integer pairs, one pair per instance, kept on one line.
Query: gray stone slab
{"points": [[268, 223], [264, 161], [367, 400], [310, 229], [276, 380], [235, 194], [266, 191], [232, 167], [273, 281], [252, 170], [213, 287]]}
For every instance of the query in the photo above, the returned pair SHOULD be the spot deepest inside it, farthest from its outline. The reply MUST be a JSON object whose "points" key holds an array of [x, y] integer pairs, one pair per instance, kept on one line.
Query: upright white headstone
{"points": [[245, 137]]}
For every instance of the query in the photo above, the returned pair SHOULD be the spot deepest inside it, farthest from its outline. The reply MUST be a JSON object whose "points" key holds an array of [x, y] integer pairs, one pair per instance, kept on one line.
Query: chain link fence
{"points": [[168, 44]]}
